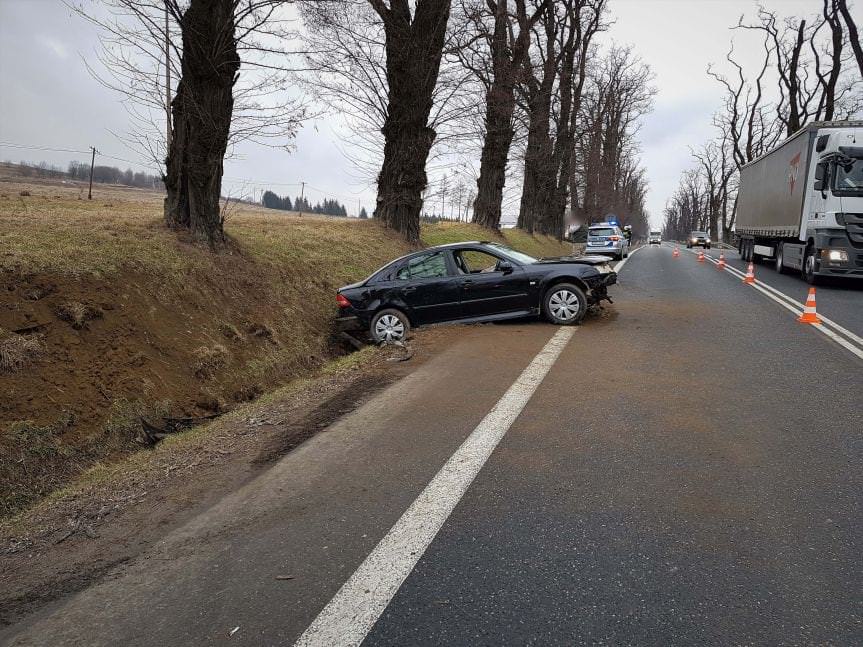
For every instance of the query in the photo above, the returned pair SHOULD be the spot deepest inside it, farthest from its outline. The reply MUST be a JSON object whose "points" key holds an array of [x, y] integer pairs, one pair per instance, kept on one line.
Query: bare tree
{"points": [[198, 47], [551, 92], [414, 48], [346, 60], [808, 69], [606, 178], [508, 50], [853, 36]]}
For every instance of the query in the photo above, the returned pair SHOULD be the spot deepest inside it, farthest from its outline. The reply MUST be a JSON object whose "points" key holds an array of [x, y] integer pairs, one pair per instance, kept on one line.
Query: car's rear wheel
{"points": [[390, 325], [564, 304]]}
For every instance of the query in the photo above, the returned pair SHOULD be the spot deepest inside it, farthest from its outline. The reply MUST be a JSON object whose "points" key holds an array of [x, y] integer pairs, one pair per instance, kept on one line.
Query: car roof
{"points": [[427, 250], [602, 224], [464, 242]]}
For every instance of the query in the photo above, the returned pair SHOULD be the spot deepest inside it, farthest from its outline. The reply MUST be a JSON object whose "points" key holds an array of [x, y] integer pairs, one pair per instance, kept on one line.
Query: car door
{"points": [[487, 290], [429, 288]]}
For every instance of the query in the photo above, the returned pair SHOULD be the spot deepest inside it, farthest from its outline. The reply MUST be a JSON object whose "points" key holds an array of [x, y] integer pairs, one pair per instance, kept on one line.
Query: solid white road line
{"points": [[353, 611], [622, 261], [789, 303]]}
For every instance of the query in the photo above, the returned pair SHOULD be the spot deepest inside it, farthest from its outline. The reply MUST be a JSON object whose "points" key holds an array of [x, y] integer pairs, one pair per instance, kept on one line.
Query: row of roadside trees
{"points": [[811, 70], [521, 87]]}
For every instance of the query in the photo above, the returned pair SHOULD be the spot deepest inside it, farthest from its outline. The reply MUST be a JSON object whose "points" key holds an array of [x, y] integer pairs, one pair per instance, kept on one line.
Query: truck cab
{"points": [[834, 215]]}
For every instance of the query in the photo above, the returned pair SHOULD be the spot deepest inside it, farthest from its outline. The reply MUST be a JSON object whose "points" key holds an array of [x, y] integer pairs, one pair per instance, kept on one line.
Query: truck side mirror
{"points": [[820, 175]]}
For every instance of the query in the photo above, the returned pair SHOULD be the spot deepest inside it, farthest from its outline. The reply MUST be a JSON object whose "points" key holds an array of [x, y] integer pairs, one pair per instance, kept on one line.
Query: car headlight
{"points": [[707, 240], [837, 255]]}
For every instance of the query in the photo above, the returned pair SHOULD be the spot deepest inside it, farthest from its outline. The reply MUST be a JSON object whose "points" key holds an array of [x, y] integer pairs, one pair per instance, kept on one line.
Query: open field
{"points": [[107, 317]]}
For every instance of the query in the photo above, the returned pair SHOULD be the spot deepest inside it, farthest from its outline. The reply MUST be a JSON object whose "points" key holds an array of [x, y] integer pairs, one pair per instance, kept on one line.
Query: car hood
{"points": [[589, 259]]}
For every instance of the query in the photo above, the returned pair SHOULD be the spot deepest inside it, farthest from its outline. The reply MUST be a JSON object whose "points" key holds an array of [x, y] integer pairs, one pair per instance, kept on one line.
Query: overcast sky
{"points": [[48, 99]]}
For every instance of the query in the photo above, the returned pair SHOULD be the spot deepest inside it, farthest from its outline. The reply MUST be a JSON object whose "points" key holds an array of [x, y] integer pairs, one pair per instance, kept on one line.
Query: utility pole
{"points": [[167, 83], [302, 194], [92, 162]]}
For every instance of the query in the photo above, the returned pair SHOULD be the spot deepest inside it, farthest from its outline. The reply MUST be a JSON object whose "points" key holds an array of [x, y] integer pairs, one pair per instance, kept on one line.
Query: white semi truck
{"points": [[800, 206]]}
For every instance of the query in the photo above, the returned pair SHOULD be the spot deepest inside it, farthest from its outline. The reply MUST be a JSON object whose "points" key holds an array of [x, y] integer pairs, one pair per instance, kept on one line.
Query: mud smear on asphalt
{"points": [[323, 415], [122, 519]]}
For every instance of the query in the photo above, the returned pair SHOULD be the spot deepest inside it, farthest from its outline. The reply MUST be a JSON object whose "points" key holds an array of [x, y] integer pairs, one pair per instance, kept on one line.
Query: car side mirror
{"points": [[505, 267]]}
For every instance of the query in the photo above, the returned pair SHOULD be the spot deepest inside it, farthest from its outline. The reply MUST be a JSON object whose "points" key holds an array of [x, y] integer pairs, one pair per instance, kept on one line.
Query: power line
{"points": [[117, 158], [42, 148], [70, 150]]}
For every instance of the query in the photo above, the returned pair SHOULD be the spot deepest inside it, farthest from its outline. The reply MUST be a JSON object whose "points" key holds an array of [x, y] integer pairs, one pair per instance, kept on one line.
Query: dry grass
{"points": [[209, 360], [33, 462], [18, 351], [78, 314], [268, 296]]}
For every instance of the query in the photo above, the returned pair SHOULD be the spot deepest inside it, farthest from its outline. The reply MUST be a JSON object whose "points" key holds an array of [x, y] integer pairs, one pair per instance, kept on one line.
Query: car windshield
{"points": [[601, 231], [654, 233], [849, 178], [513, 255], [698, 233]]}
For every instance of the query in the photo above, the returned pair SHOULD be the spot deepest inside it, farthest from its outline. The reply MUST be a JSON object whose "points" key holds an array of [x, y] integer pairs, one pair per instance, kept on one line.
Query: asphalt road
{"points": [[839, 299], [683, 469]]}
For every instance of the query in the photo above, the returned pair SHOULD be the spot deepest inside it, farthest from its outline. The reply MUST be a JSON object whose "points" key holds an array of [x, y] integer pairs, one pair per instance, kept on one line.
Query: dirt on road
{"points": [[74, 538]]}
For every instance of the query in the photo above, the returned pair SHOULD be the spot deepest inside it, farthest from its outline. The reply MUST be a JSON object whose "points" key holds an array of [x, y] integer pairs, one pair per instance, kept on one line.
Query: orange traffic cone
{"points": [[676, 252], [750, 274], [809, 315], [721, 264], [701, 256]]}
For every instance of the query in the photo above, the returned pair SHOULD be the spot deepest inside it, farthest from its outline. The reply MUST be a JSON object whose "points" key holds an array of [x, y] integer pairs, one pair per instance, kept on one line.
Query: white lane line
{"points": [[353, 611], [837, 327], [789, 303], [622, 262]]}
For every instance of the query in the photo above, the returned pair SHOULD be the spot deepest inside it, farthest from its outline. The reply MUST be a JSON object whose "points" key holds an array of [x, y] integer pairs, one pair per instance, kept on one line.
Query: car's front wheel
{"points": [[564, 304], [390, 325]]}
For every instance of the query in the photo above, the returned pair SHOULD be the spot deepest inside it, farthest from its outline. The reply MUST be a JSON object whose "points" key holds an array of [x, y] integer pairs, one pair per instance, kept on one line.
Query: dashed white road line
{"points": [[850, 341], [353, 611]]}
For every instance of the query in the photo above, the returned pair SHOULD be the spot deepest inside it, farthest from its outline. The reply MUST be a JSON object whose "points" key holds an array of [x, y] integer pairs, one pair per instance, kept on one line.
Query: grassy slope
{"points": [[178, 329]]}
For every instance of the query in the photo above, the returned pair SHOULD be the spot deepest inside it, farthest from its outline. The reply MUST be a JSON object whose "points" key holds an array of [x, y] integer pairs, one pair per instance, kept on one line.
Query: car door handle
{"points": [[409, 289]]}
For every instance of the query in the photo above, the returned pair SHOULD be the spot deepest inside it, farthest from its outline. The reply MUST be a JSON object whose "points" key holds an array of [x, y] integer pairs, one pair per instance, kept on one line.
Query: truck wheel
{"points": [[780, 253], [808, 271]]}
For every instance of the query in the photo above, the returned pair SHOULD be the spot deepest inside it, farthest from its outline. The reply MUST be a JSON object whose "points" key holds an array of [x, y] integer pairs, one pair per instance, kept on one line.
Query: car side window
{"points": [[475, 262], [428, 266]]}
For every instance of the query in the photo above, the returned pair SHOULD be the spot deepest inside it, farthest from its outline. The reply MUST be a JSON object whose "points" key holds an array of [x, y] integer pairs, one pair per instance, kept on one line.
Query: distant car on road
{"points": [[470, 282], [655, 237], [607, 239], [698, 239]]}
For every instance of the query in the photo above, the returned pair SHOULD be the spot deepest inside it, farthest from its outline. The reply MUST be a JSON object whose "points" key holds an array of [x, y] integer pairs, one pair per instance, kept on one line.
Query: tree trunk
{"points": [[414, 49], [202, 110], [507, 59], [538, 172], [495, 153], [853, 37]]}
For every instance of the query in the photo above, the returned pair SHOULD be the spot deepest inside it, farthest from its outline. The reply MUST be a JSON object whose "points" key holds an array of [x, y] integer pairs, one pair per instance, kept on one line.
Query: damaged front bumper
{"points": [[598, 286]]}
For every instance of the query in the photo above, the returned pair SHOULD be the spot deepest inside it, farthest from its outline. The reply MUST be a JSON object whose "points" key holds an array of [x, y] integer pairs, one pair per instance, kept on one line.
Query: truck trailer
{"points": [[800, 206]]}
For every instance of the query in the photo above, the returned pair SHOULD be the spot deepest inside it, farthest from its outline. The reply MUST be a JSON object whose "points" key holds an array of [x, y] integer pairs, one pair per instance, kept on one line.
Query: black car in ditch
{"points": [[470, 282]]}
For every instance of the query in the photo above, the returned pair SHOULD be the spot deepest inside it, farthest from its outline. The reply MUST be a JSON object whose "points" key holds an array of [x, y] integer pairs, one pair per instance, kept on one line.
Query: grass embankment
{"points": [[120, 318]]}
